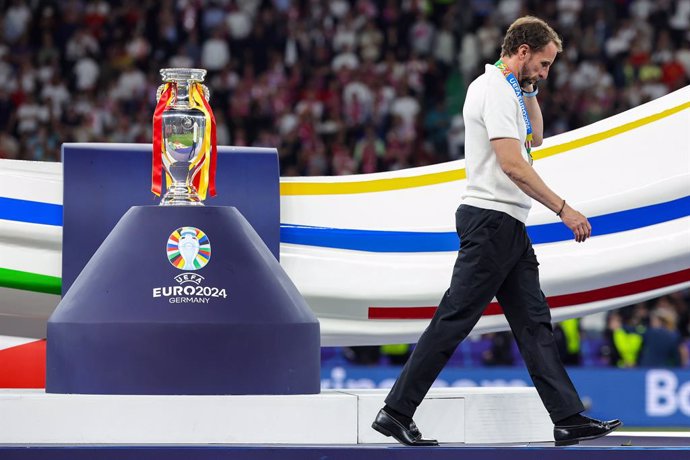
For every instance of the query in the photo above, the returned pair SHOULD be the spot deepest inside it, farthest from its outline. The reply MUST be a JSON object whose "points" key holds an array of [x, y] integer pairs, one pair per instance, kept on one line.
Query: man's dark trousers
{"points": [[495, 259]]}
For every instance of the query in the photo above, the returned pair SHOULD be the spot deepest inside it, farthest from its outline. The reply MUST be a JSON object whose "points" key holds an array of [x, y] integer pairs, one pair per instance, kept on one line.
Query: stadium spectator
{"points": [[661, 343], [16, 20], [624, 336], [369, 152], [568, 336], [215, 52]]}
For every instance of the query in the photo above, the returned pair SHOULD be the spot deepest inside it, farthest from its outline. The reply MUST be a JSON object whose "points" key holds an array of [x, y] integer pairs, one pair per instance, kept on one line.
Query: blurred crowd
{"points": [[650, 334], [339, 86]]}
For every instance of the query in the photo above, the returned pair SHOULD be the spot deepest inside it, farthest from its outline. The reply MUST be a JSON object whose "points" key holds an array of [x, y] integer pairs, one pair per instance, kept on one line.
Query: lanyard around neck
{"points": [[512, 80]]}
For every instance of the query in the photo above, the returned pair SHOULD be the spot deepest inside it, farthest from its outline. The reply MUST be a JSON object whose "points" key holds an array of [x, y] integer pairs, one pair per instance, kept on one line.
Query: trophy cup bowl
{"points": [[184, 128]]}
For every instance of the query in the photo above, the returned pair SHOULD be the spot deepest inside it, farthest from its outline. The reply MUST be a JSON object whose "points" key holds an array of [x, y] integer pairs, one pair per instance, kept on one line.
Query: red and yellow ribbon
{"points": [[204, 179], [157, 170]]}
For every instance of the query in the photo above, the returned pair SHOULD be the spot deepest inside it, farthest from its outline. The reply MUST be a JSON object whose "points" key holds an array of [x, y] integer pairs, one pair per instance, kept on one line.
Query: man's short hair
{"points": [[530, 31]]}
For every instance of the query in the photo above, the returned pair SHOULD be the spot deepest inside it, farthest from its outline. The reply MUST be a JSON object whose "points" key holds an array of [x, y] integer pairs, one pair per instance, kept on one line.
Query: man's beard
{"points": [[526, 82]]}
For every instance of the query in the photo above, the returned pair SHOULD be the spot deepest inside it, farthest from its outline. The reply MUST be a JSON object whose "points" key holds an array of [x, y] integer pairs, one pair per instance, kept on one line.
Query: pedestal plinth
{"points": [[155, 312]]}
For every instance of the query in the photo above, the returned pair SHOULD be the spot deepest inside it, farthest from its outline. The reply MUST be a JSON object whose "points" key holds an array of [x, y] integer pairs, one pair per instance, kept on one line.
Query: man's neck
{"points": [[512, 63]]}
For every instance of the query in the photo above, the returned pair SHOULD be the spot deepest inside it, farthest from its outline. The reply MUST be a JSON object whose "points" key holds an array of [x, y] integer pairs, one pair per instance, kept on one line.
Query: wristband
{"points": [[531, 93], [562, 208]]}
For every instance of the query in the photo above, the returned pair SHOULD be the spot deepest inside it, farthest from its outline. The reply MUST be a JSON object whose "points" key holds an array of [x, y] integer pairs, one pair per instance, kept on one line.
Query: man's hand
{"points": [[526, 178], [576, 222]]}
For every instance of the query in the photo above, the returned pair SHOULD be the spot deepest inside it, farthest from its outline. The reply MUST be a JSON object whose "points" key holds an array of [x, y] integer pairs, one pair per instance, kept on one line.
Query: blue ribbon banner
{"points": [[397, 241], [392, 241]]}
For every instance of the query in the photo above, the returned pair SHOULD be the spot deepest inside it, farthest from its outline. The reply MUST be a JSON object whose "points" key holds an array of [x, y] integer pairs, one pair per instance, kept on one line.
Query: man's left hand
{"points": [[576, 222]]}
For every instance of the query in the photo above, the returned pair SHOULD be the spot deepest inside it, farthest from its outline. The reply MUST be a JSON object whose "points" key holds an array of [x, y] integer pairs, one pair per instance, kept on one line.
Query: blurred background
{"points": [[360, 86]]}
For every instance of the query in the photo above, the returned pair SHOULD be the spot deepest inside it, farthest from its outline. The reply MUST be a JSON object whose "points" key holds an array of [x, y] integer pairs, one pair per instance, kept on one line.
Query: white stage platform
{"points": [[453, 415]]}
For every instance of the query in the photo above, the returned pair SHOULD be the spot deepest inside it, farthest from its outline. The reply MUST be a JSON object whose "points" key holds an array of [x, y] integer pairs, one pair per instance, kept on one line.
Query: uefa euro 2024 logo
{"points": [[188, 248]]}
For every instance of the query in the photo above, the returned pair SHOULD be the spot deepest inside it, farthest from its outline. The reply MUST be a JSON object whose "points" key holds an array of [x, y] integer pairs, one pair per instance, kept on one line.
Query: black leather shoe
{"points": [[566, 435], [410, 436]]}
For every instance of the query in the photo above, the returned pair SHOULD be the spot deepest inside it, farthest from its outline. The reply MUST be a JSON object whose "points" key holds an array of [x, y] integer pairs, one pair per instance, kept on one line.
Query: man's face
{"points": [[537, 64]]}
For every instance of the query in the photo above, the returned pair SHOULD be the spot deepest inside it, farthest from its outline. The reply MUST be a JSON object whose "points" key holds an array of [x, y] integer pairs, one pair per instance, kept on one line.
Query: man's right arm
{"points": [[508, 152]]}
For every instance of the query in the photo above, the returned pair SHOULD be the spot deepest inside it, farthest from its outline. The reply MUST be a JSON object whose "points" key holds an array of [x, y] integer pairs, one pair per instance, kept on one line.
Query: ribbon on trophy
{"points": [[205, 180], [157, 171]]}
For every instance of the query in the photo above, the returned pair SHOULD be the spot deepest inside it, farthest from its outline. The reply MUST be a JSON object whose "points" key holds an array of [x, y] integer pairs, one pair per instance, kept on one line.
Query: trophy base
{"points": [[134, 322], [180, 202], [184, 197]]}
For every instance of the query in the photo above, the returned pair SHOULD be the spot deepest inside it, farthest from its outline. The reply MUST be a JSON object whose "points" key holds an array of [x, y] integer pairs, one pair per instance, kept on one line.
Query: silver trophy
{"points": [[184, 128]]}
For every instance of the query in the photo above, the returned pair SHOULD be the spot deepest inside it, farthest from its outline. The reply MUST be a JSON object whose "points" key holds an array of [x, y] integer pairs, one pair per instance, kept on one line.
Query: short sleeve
{"points": [[500, 112]]}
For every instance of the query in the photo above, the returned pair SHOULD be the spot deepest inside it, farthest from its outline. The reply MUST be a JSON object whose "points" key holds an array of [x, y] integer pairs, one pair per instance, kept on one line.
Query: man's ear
{"points": [[524, 50]]}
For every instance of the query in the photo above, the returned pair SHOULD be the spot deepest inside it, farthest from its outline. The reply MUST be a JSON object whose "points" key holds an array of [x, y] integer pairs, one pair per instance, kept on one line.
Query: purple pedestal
{"points": [[137, 320]]}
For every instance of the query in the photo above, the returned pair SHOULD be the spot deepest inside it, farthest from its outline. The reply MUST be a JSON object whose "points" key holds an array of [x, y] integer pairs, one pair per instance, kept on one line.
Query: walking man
{"points": [[502, 122]]}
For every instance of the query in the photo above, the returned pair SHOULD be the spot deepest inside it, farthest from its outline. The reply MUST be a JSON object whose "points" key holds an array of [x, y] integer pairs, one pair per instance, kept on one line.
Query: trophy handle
{"points": [[159, 91]]}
